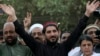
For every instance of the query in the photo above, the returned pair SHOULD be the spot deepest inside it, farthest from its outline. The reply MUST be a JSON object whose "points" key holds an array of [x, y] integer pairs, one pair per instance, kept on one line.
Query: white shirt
{"points": [[94, 54], [76, 52]]}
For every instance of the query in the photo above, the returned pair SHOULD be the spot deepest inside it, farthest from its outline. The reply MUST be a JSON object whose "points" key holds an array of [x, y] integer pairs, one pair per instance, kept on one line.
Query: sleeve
{"points": [[73, 38], [29, 40]]}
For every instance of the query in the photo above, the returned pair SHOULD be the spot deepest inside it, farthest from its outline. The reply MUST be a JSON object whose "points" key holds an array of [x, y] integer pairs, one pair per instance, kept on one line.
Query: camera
{"points": [[1, 11], [98, 34], [96, 13]]}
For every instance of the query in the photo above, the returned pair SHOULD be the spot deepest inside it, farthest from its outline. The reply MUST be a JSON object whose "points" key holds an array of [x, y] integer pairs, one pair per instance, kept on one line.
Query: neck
{"points": [[12, 43], [51, 43], [87, 55]]}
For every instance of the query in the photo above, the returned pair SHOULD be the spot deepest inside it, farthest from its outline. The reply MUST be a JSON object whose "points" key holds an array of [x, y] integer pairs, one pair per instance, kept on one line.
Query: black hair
{"points": [[85, 37], [44, 29]]}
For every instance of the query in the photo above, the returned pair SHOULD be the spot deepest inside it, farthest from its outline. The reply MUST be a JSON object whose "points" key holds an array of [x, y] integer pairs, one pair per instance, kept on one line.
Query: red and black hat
{"points": [[51, 23]]}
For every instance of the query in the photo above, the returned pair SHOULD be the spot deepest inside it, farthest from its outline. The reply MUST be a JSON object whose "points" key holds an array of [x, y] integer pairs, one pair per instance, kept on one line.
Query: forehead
{"points": [[9, 27], [65, 34], [37, 29], [86, 42], [51, 28], [91, 29]]}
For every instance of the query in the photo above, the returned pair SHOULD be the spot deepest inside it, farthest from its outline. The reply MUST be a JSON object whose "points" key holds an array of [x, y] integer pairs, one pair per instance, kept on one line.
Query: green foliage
{"points": [[66, 12]]}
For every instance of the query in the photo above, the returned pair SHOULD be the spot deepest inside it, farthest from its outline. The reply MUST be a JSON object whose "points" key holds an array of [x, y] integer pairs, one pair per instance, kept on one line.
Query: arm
{"points": [[29, 40], [73, 38], [18, 27]]}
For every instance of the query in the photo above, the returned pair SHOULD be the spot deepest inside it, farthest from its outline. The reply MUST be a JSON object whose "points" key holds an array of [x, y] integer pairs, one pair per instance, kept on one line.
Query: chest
{"points": [[12, 51]]}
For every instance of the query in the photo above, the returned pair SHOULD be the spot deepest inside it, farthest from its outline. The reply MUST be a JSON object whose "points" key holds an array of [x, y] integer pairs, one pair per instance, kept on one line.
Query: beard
{"points": [[52, 41], [12, 41]]}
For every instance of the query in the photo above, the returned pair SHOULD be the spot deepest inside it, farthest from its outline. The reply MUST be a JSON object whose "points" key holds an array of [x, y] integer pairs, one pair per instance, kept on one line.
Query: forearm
{"points": [[73, 38], [27, 38]]}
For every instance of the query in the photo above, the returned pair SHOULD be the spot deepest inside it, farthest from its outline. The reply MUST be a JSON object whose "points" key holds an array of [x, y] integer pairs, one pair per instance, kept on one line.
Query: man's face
{"points": [[92, 33], [86, 47], [10, 35], [64, 37], [52, 34], [37, 34]]}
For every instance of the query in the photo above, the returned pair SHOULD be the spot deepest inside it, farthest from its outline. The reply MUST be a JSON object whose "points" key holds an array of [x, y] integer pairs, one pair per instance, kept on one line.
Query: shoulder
{"points": [[75, 51], [96, 54]]}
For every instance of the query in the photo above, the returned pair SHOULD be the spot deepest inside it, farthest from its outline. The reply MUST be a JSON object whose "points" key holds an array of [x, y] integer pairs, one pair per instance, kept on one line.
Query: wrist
{"points": [[87, 14], [14, 18]]}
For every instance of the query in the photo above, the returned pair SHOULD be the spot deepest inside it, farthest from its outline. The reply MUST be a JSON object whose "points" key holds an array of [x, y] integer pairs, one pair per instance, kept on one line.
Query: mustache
{"points": [[53, 36], [9, 37]]}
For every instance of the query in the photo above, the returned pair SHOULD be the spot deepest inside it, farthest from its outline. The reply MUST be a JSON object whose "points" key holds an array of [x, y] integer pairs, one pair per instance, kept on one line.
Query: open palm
{"points": [[8, 9]]}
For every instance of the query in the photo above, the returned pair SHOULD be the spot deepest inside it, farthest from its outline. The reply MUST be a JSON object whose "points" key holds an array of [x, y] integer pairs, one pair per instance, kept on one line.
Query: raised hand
{"points": [[9, 10], [91, 7], [27, 20]]}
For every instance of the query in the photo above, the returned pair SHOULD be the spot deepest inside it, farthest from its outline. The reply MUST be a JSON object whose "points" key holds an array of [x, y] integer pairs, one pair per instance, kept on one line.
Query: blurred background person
{"points": [[64, 36], [11, 47], [90, 30], [86, 45], [34, 30]]}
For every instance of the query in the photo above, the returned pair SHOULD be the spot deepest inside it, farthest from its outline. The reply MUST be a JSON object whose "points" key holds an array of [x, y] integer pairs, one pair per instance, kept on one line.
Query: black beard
{"points": [[51, 43], [14, 41]]}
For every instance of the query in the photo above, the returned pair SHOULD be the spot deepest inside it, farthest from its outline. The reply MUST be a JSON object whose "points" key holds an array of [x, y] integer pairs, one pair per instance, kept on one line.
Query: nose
{"points": [[8, 34], [52, 33], [94, 35], [36, 35], [86, 46]]}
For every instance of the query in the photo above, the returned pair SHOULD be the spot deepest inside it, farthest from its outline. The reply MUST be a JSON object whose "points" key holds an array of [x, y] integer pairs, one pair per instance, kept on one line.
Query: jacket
{"points": [[58, 49], [15, 50]]}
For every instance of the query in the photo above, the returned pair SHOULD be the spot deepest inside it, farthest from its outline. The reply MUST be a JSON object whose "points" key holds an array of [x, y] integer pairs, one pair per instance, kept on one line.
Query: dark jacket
{"points": [[56, 50]]}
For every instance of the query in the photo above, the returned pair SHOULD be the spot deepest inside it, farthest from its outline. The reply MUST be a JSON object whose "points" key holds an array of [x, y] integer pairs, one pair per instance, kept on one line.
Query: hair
{"points": [[85, 37], [8, 23], [44, 29]]}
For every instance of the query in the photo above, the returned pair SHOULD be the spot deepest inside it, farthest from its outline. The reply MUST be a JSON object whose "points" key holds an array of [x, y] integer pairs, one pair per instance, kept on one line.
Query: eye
{"points": [[33, 34], [39, 33], [48, 31], [64, 37], [54, 30], [11, 31], [91, 32], [5, 32], [89, 44], [84, 45]]}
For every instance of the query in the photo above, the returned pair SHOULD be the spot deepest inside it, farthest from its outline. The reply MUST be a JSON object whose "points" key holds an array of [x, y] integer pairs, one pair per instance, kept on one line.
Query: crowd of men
{"points": [[46, 39]]}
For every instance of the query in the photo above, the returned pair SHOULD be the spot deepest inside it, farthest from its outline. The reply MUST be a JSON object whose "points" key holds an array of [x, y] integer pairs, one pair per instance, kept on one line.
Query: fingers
{"points": [[88, 3], [93, 2], [11, 7], [29, 15], [97, 4]]}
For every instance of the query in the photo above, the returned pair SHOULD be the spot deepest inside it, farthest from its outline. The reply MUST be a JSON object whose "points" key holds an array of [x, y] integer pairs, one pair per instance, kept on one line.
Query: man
{"points": [[64, 36], [51, 48], [90, 30], [11, 47], [36, 32]]}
